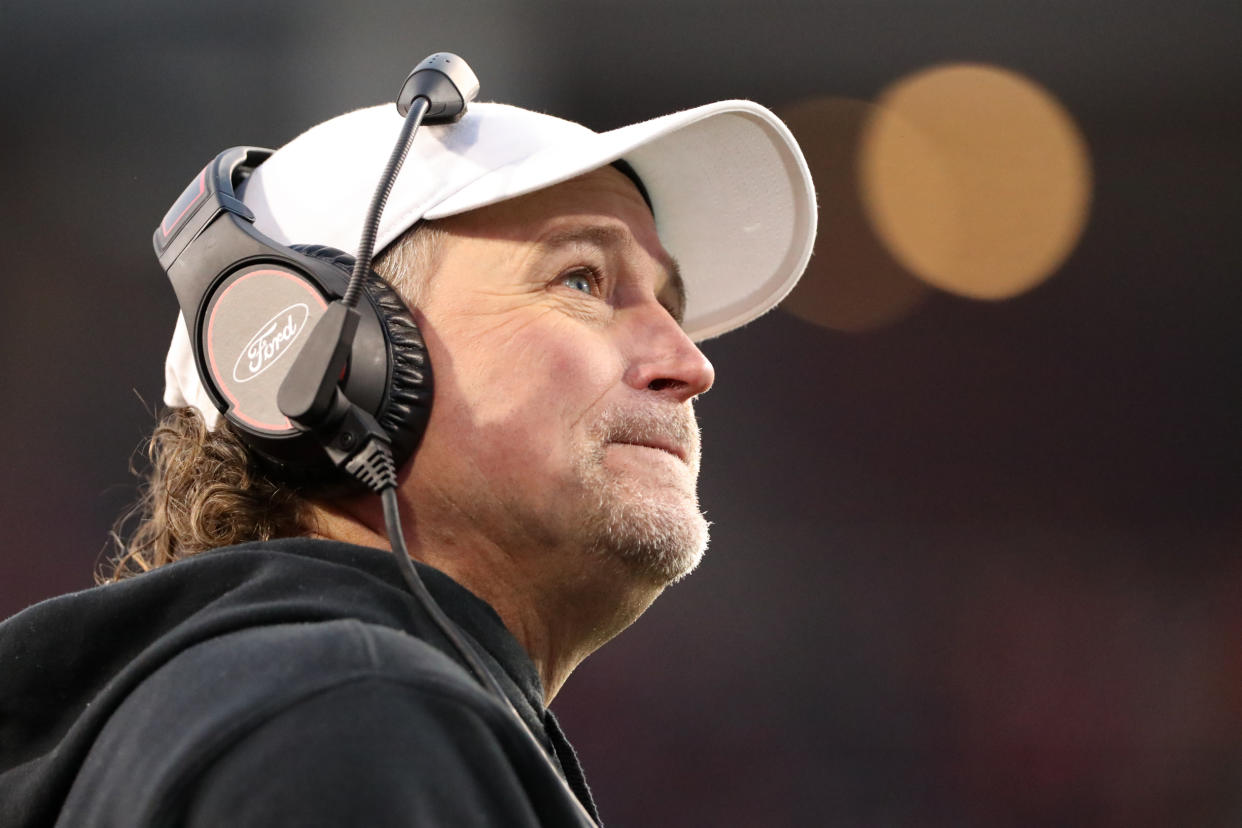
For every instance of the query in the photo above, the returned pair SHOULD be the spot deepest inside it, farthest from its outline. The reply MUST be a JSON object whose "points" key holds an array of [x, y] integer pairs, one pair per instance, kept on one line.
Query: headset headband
{"points": [[209, 207]]}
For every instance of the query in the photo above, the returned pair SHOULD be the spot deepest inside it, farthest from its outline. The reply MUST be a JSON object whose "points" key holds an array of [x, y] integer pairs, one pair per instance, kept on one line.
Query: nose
{"points": [[663, 359]]}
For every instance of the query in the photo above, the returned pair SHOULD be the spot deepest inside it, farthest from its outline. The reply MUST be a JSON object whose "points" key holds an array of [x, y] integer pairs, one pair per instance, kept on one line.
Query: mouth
{"points": [[668, 447], [666, 429]]}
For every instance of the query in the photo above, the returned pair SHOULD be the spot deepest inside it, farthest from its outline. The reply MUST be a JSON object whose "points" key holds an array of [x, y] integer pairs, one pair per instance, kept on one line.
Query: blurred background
{"points": [[976, 488]]}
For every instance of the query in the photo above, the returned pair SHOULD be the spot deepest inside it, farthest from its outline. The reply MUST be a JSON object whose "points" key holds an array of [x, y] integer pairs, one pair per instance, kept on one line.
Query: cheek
{"points": [[578, 373], [516, 399], [564, 370]]}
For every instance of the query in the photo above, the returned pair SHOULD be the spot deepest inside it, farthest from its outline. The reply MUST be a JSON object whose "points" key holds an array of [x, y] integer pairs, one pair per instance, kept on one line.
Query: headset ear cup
{"points": [[405, 404], [411, 384]]}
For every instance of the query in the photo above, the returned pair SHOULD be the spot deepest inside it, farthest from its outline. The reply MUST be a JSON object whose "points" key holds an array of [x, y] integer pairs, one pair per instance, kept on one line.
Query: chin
{"points": [[656, 538]]}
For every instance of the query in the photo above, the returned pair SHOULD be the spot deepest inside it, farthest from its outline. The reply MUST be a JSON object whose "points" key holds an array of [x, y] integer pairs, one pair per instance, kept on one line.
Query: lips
{"points": [[670, 429], [666, 430], [661, 445]]}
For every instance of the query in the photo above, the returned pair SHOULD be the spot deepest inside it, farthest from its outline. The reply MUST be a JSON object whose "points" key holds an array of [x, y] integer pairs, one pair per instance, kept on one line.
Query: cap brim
{"points": [[731, 192]]}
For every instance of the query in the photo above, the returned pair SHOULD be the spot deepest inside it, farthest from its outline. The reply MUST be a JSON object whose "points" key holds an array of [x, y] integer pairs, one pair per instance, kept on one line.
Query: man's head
{"points": [[563, 399]]}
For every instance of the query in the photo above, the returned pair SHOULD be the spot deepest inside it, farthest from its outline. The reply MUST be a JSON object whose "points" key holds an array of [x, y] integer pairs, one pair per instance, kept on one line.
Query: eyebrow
{"points": [[605, 236]]}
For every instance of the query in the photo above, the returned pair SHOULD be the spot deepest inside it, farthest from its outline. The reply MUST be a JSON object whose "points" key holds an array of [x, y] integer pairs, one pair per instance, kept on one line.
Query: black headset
{"points": [[252, 307], [249, 304]]}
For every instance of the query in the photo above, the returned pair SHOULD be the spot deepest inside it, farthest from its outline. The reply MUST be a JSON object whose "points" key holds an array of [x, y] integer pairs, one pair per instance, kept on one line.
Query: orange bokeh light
{"points": [[976, 178]]}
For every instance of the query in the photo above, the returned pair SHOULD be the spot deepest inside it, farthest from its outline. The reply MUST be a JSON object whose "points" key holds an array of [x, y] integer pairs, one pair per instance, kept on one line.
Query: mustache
{"points": [[672, 427]]}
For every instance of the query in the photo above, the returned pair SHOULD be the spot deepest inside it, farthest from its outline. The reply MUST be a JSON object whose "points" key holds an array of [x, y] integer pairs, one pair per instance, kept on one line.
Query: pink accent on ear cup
{"points": [[184, 202]]}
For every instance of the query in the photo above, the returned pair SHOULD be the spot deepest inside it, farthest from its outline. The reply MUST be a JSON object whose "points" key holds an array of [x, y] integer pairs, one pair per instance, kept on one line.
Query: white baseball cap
{"points": [[730, 190]]}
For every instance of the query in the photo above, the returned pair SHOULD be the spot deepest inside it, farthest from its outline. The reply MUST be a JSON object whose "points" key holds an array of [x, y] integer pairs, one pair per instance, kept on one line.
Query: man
{"points": [[268, 665]]}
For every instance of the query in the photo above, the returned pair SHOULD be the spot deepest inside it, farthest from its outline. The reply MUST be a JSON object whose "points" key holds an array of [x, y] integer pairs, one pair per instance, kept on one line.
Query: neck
{"points": [[560, 614]]}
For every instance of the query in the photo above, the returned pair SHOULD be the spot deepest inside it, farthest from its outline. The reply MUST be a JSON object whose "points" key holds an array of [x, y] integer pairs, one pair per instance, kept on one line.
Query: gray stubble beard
{"points": [[657, 536]]}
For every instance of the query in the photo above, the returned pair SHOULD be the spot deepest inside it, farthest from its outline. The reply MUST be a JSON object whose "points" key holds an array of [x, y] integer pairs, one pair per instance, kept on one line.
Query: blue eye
{"points": [[579, 280]]}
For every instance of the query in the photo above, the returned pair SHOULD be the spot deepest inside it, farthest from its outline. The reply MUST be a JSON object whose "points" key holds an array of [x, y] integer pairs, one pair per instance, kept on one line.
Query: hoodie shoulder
{"points": [[153, 751], [68, 663]]}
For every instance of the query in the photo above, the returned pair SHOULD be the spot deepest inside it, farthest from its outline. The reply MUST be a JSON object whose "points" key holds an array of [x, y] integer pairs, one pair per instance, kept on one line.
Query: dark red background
{"points": [[980, 567]]}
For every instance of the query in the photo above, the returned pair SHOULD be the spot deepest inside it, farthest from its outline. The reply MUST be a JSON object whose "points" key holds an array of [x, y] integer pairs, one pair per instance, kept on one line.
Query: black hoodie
{"points": [[294, 682]]}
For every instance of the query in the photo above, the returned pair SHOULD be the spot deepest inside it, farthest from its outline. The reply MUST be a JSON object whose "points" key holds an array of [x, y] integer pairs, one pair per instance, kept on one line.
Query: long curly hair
{"points": [[201, 489]]}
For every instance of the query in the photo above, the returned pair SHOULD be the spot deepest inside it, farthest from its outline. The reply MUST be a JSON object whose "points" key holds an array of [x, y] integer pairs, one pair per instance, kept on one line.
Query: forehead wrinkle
{"points": [[605, 236]]}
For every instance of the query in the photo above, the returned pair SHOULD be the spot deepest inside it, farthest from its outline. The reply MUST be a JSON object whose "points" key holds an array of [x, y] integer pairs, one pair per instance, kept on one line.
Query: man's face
{"points": [[562, 419]]}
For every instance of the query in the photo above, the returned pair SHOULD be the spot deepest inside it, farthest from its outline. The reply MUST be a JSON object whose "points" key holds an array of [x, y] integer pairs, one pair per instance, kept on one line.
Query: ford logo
{"points": [[270, 343]]}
